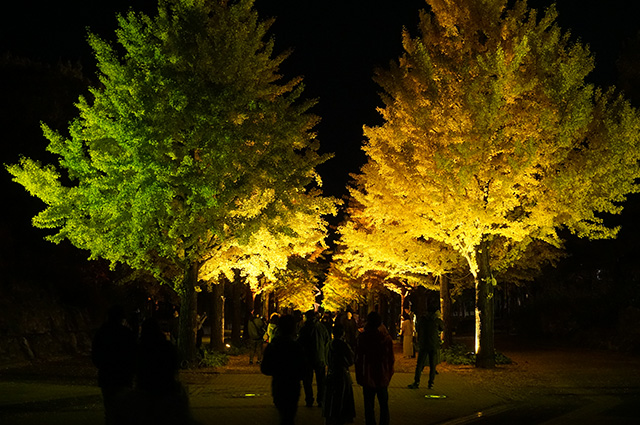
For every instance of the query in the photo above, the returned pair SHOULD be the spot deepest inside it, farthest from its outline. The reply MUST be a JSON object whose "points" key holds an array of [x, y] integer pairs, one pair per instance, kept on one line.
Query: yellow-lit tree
{"points": [[408, 262], [266, 251], [390, 251], [341, 288], [491, 131], [268, 258], [298, 285]]}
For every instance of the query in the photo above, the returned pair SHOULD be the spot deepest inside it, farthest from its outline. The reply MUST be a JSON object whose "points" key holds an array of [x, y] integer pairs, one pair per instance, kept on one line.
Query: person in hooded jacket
{"points": [[374, 367]]}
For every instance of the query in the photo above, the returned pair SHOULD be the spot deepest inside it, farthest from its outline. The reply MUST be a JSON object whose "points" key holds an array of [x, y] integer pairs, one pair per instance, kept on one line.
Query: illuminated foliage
{"points": [[297, 285], [341, 288], [192, 142], [492, 134], [266, 253], [388, 247], [520, 262], [406, 262]]}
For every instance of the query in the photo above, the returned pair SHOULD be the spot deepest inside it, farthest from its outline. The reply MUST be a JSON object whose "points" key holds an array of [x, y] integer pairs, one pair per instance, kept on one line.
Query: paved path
{"points": [[239, 399], [547, 387]]}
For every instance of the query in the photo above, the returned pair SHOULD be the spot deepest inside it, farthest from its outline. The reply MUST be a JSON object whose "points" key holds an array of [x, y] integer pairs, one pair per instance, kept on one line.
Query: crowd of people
{"points": [[137, 371], [326, 348]]}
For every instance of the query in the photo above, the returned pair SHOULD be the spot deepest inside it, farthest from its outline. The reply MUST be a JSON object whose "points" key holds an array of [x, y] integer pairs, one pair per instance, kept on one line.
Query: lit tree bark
{"points": [[217, 318], [403, 297], [445, 309], [384, 313], [264, 300]]}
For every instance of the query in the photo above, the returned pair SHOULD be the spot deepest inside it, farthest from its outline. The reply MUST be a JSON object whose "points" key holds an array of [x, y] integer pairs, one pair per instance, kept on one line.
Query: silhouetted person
{"points": [[429, 327], [350, 329], [339, 407], [159, 397], [157, 360], [200, 319], [114, 354], [327, 321], [134, 322], [256, 329], [271, 327], [298, 317], [374, 368], [283, 361], [314, 340]]}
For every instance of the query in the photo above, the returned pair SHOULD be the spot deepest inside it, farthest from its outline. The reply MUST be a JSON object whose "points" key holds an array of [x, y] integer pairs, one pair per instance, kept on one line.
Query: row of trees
{"points": [[195, 160]]}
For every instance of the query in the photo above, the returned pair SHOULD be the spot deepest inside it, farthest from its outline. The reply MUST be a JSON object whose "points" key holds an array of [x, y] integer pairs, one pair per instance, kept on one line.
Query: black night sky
{"points": [[336, 46]]}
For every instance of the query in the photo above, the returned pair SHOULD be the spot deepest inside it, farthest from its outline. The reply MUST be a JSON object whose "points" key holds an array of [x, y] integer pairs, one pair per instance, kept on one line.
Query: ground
{"points": [[545, 384]]}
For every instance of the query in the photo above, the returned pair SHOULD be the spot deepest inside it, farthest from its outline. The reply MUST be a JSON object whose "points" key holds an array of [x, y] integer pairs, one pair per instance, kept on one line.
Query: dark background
{"points": [[336, 46]]}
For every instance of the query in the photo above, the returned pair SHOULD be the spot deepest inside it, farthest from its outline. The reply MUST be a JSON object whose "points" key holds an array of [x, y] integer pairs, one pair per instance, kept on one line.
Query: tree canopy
{"points": [[192, 141], [492, 132]]}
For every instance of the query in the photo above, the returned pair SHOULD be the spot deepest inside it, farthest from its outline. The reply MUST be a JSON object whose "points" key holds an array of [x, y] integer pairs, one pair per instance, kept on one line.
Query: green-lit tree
{"points": [[192, 139], [491, 131]]}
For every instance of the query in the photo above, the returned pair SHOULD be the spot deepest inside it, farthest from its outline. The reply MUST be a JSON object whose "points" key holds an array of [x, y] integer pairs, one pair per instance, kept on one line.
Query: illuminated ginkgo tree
{"points": [[386, 250], [263, 254], [491, 131], [268, 261], [191, 140], [407, 262]]}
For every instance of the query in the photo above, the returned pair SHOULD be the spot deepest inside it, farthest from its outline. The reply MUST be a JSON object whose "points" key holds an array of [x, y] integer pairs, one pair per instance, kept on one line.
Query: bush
{"points": [[458, 355], [214, 359], [461, 355]]}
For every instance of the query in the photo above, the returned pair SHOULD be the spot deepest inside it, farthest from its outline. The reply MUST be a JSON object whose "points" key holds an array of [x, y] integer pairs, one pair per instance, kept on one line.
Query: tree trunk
{"points": [[264, 299], [445, 308], [217, 318], [485, 352], [236, 318], [403, 298], [384, 313], [371, 301], [188, 311], [250, 302]]}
